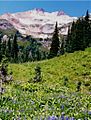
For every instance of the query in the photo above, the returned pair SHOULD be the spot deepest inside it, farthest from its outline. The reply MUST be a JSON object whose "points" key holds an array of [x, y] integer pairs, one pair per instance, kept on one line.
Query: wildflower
{"points": [[52, 118], [89, 113], [63, 113], [62, 107], [67, 118], [72, 118], [62, 116], [62, 96], [32, 102]]}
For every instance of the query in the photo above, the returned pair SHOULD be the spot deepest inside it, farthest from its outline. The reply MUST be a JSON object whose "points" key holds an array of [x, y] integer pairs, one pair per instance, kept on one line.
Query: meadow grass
{"points": [[51, 97]]}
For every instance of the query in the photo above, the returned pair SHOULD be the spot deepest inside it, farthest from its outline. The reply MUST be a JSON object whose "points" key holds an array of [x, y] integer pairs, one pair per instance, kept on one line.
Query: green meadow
{"points": [[55, 95]]}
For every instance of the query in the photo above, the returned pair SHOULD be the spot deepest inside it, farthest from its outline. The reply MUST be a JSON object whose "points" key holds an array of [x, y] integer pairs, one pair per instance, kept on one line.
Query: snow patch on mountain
{"points": [[39, 23]]}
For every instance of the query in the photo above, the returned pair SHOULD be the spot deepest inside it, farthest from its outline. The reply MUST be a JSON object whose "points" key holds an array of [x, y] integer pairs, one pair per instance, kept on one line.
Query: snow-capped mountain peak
{"points": [[39, 23], [61, 12], [39, 10]]}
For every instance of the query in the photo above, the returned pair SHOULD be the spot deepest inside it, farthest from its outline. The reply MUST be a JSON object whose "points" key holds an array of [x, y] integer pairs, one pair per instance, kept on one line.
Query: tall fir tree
{"points": [[15, 49], [62, 47], [0, 47], [79, 36], [87, 16], [87, 29], [70, 38], [8, 50], [55, 43]]}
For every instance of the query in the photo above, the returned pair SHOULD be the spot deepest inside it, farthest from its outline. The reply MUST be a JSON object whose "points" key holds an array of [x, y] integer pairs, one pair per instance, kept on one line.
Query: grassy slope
{"points": [[76, 67], [35, 100]]}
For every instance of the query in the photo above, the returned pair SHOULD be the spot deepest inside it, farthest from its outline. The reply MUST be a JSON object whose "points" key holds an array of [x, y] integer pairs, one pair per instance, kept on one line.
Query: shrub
{"points": [[79, 86], [37, 77]]}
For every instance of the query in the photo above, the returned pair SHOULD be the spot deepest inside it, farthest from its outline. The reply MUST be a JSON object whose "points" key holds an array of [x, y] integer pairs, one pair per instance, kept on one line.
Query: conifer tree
{"points": [[79, 37], [3, 48], [8, 51], [67, 45], [87, 16], [87, 30], [70, 42], [62, 47], [15, 49], [37, 77], [0, 48], [55, 43]]}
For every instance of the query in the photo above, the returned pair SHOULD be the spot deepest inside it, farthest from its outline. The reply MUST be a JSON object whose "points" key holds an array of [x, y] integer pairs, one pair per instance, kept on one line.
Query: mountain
{"points": [[6, 27], [39, 23]]}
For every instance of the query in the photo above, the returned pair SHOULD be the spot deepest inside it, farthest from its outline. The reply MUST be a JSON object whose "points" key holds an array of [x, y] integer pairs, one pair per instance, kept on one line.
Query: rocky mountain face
{"points": [[4, 24], [6, 27], [37, 22]]}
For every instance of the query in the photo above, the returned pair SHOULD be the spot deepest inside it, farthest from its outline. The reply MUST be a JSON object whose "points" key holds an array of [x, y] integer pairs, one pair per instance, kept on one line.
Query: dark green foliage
{"points": [[0, 47], [31, 51], [34, 49], [79, 86], [37, 77], [55, 43], [44, 55], [3, 68], [87, 16], [62, 48], [87, 30], [3, 48], [79, 36], [68, 40], [4, 76], [75, 37], [15, 49], [8, 50]]}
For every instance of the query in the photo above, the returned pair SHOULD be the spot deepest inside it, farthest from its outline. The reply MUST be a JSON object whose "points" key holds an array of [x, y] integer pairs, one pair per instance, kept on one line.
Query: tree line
{"points": [[18, 53], [78, 38]]}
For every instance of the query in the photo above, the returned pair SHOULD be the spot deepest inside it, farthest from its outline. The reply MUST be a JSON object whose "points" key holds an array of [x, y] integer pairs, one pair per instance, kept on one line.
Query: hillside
{"points": [[50, 98], [74, 66]]}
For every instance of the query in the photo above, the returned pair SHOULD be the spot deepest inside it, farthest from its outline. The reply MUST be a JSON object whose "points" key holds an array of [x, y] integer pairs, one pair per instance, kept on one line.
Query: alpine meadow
{"points": [[45, 64]]}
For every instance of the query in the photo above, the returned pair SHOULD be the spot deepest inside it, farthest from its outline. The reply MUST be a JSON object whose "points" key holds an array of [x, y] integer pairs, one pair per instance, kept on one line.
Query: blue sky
{"points": [[72, 8]]}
